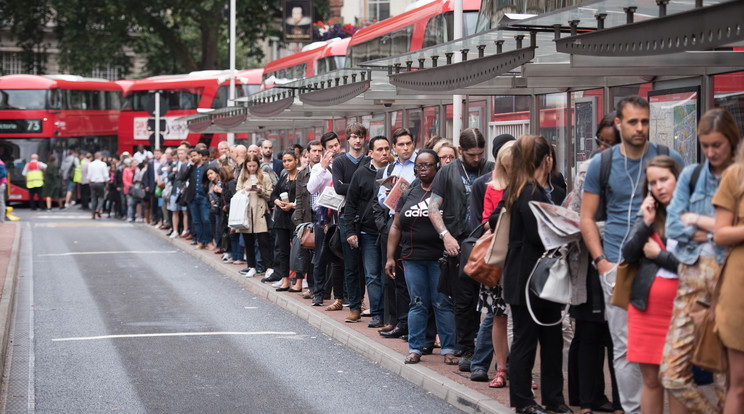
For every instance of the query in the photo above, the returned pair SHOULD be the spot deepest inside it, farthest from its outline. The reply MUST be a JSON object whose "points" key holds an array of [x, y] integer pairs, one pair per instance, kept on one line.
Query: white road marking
{"points": [[250, 307], [158, 335], [110, 252]]}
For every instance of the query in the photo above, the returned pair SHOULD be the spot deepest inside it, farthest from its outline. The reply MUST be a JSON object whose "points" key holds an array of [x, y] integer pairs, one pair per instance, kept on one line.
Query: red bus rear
{"points": [[51, 114]]}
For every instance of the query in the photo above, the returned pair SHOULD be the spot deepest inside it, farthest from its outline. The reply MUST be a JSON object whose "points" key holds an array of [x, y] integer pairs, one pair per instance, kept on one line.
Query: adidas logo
{"points": [[419, 210]]}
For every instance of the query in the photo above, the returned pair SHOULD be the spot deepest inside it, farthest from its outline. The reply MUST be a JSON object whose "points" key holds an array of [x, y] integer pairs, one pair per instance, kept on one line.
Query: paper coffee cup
{"points": [[285, 197]]}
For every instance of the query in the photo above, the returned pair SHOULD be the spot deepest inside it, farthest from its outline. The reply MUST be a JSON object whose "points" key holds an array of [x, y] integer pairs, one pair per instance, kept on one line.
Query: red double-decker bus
{"points": [[182, 95], [45, 114]]}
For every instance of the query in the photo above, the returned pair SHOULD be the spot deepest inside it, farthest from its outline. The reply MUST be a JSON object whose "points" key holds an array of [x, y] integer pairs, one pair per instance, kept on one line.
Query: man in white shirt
{"points": [[98, 175]]}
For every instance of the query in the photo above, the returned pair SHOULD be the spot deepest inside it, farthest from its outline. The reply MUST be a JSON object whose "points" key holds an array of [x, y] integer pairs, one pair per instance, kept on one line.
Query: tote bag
{"points": [[238, 218], [496, 255]]}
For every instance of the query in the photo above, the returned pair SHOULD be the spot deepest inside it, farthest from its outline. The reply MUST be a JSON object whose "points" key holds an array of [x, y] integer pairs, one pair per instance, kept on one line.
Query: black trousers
{"points": [[586, 379], [33, 194], [523, 350], [396, 297], [263, 244], [84, 196], [465, 298], [97, 190]]}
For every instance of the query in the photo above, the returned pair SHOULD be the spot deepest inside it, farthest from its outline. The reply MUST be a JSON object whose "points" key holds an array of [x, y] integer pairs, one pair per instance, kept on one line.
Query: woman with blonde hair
{"points": [[257, 185], [691, 221], [729, 233], [446, 151]]}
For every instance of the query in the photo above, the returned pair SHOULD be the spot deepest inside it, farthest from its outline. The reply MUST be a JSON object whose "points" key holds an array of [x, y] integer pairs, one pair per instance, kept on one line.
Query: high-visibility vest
{"points": [[78, 177], [34, 175]]}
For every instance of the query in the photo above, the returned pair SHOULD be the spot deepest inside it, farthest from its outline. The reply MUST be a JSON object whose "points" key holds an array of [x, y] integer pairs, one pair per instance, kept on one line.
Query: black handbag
{"points": [[331, 250], [137, 191]]}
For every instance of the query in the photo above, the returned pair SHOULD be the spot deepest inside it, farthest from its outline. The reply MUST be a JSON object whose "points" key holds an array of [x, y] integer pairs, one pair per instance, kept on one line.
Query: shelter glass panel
{"points": [[555, 117], [431, 122], [729, 94]]}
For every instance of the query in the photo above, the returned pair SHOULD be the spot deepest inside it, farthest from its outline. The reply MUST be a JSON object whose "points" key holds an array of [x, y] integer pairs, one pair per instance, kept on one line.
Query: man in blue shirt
{"points": [[622, 201], [199, 202]]}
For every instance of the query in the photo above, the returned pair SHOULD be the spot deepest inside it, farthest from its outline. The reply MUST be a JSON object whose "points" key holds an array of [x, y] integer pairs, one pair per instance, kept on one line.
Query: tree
{"points": [[174, 35]]}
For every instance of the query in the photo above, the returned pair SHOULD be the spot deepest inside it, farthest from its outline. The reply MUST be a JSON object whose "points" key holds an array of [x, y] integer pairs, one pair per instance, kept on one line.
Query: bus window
{"points": [[434, 33], [401, 41], [22, 99]]}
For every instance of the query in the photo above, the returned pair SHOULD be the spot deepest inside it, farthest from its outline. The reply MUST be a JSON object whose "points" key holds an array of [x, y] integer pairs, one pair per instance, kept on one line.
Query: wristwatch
{"points": [[598, 259], [441, 235]]}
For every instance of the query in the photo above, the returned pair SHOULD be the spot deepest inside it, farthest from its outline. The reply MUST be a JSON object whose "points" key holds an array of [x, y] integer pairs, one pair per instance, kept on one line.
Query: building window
{"points": [[107, 72], [378, 10], [11, 63]]}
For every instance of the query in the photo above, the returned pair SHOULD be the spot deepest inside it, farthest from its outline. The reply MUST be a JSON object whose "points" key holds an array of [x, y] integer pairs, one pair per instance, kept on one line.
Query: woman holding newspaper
{"points": [[257, 185], [531, 165]]}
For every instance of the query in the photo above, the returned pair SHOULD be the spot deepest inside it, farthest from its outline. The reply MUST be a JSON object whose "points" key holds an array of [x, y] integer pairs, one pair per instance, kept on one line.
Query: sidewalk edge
{"points": [[450, 391], [8, 296]]}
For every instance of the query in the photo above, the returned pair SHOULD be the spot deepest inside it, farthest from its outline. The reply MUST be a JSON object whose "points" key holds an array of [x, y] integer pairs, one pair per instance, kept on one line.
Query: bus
{"points": [[181, 95], [45, 114], [428, 25], [315, 59]]}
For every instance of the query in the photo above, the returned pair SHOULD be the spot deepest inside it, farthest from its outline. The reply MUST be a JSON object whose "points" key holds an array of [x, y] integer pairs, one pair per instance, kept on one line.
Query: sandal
{"points": [[499, 381], [412, 358], [337, 305], [450, 359]]}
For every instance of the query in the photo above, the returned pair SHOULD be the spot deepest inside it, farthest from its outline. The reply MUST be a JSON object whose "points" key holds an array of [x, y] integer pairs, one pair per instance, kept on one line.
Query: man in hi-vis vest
{"points": [[34, 173]]}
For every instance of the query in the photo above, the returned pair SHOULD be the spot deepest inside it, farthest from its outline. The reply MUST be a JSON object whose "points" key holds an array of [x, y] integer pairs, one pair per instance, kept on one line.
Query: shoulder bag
{"points": [[550, 280], [476, 266], [306, 233], [623, 283], [496, 253]]}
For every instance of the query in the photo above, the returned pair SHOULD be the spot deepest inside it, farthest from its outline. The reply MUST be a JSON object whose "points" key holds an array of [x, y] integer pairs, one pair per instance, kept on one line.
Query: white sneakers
{"points": [[173, 235], [251, 272]]}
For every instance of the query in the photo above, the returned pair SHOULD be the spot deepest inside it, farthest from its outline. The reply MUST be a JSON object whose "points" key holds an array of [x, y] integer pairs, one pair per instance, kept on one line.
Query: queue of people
{"points": [[396, 239]]}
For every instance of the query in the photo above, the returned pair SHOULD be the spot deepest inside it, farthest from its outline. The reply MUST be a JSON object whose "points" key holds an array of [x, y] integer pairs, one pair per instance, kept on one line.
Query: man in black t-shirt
{"points": [[451, 192]]}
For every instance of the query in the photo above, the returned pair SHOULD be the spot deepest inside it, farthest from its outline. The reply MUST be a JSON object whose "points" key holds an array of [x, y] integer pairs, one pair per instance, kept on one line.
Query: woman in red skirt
{"points": [[655, 284]]}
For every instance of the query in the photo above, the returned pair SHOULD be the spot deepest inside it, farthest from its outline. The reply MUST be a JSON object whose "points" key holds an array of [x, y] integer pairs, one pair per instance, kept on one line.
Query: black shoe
{"points": [[375, 322], [404, 337], [479, 375], [532, 409], [561, 409], [271, 279], [397, 332], [427, 350], [464, 364], [281, 289]]}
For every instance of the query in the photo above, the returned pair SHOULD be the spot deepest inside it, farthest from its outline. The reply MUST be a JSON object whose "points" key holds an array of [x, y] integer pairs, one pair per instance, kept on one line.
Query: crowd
{"points": [[398, 235]]}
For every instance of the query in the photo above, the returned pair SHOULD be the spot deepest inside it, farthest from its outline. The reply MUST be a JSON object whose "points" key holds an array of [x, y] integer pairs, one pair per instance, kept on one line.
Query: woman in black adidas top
{"points": [[421, 250]]}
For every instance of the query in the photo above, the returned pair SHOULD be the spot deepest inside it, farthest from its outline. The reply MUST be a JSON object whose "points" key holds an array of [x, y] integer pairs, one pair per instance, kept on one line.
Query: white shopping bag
{"points": [[239, 208]]}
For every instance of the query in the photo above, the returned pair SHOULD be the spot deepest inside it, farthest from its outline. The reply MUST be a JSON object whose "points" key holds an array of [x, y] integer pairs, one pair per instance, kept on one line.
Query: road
{"points": [[109, 318]]}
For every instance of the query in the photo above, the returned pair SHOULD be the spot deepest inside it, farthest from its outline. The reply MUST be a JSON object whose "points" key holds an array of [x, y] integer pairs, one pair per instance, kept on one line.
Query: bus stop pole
{"points": [[457, 99], [157, 120], [231, 95]]}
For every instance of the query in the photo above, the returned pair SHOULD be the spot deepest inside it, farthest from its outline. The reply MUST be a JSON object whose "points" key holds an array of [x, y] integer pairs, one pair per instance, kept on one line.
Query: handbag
{"points": [[623, 282], [496, 254], [550, 280], [476, 267], [137, 191], [306, 233]]}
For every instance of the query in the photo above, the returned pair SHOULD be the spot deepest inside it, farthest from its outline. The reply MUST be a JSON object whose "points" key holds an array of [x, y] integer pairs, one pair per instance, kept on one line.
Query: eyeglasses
{"points": [[447, 157], [423, 166]]}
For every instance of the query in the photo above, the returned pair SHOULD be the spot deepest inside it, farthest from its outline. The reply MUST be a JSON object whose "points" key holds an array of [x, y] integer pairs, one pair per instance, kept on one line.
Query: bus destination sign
{"points": [[20, 126]]}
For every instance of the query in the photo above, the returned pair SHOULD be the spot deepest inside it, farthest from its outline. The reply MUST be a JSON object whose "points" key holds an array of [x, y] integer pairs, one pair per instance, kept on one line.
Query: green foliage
{"points": [[173, 35], [27, 20]]}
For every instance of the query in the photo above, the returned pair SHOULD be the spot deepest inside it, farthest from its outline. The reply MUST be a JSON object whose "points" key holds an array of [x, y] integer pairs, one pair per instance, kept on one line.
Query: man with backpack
{"points": [[612, 191]]}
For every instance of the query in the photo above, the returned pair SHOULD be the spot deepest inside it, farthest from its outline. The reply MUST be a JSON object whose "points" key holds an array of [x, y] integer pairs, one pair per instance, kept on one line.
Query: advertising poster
{"points": [[298, 21], [674, 118]]}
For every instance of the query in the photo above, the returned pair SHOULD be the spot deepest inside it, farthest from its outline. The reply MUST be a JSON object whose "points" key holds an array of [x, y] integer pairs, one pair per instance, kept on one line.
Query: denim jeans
{"points": [[200, 217], [422, 278], [352, 259], [372, 273], [237, 252], [483, 354], [319, 266], [132, 207]]}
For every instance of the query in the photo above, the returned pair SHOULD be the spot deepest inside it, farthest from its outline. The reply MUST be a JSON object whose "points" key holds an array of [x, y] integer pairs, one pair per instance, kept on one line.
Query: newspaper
{"points": [[328, 198], [401, 185], [556, 225]]}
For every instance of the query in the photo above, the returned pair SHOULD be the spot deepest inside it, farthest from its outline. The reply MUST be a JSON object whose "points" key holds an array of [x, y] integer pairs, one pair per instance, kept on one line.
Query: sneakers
{"points": [[464, 365], [375, 322], [173, 235], [269, 272], [354, 316], [251, 272]]}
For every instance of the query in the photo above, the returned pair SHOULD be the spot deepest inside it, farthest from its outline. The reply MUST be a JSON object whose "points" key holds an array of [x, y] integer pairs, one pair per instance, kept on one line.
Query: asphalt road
{"points": [[109, 318]]}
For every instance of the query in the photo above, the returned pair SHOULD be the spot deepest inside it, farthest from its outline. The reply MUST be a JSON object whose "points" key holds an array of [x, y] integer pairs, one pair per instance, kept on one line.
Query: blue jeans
{"points": [[483, 354], [372, 273], [422, 278], [200, 217], [237, 252], [351, 270]]}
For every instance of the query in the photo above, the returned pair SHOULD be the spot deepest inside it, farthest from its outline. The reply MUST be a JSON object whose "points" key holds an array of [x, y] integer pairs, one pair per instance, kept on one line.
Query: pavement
{"points": [[10, 251], [431, 374]]}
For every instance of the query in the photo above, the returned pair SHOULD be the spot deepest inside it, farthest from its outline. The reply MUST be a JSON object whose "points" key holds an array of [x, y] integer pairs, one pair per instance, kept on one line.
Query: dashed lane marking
{"points": [[160, 335], [110, 252]]}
